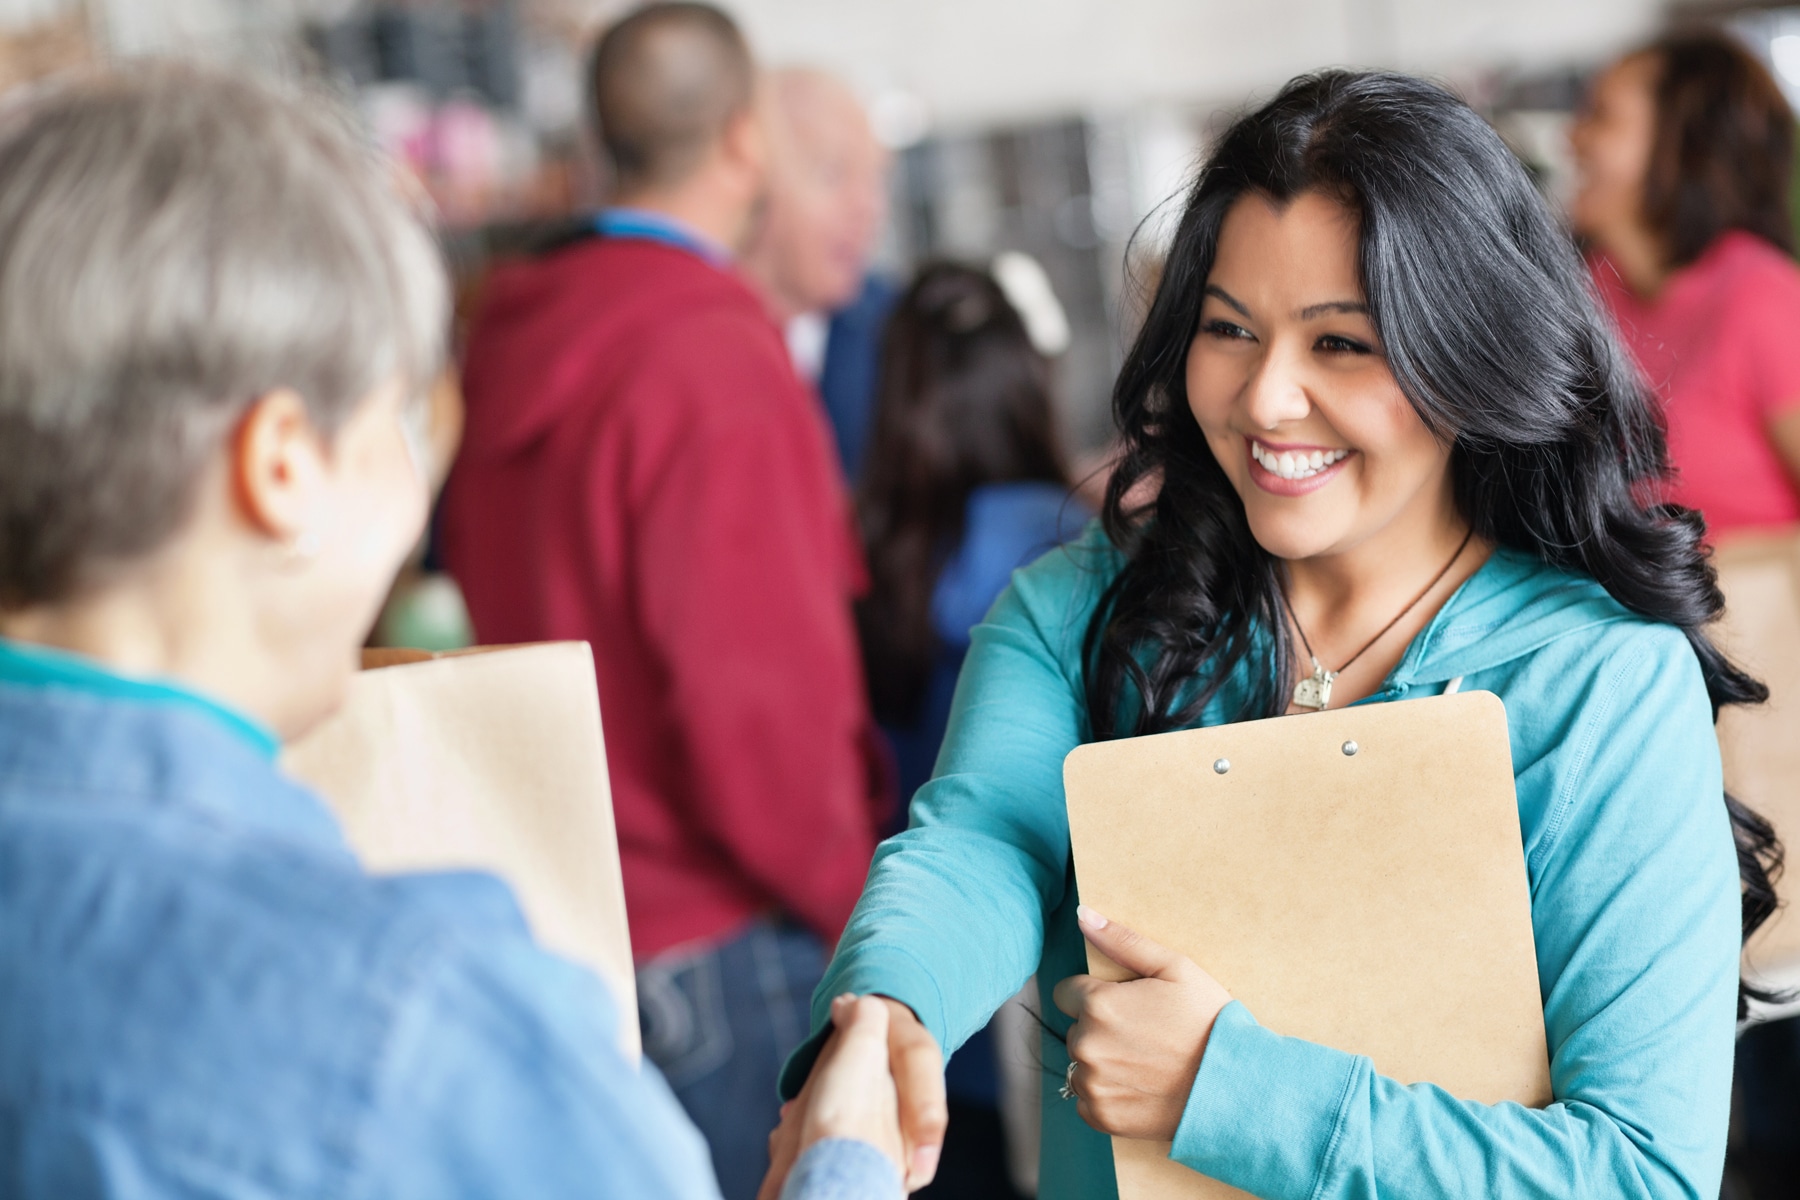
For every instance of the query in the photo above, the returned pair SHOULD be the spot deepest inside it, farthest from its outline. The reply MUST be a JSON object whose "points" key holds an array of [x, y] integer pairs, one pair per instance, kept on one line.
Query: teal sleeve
{"points": [[1635, 909], [951, 922]]}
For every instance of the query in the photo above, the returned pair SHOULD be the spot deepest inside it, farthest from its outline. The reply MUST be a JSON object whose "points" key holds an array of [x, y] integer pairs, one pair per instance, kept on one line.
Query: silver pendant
{"points": [[1314, 691]]}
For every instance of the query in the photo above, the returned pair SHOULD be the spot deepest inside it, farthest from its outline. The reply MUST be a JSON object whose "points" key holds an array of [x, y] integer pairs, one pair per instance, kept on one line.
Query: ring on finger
{"points": [[1068, 1087]]}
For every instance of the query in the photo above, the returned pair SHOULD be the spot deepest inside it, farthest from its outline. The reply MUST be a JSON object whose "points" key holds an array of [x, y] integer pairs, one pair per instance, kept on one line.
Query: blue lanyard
{"points": [[640, 225]]}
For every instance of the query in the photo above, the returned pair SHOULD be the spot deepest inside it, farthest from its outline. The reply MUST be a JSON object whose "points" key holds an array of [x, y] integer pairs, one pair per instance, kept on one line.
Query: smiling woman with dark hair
{"points": [[1398, 454]]}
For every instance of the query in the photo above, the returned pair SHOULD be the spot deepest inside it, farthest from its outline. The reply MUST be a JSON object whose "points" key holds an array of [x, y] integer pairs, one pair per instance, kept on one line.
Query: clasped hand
{"points": [[1136, 1046], [880, 1079]]}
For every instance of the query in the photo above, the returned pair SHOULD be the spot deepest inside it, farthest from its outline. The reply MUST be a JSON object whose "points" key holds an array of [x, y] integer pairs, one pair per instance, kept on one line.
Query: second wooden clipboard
{"points": [[1355, 877], [491, 760]]}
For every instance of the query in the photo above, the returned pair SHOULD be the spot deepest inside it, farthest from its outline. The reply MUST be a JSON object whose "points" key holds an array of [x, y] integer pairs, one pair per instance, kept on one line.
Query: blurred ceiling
{"points": [[970, 62], [976, 61]]}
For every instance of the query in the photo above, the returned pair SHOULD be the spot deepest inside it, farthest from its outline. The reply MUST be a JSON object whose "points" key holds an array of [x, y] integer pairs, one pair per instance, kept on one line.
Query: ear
{"points": [[746, 141], [278, 467]]}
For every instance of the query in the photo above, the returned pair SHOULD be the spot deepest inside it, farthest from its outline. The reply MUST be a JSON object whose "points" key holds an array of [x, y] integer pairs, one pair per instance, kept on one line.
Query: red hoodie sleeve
{"points": [[744, 566]]}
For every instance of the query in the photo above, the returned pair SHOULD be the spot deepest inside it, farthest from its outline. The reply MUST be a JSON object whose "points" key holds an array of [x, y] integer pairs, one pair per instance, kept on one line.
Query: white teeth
{"points": [[1291, 465]]}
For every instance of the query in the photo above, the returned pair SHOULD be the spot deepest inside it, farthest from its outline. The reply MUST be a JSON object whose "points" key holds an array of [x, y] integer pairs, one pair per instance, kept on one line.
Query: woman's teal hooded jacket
{"points": [[1634, 892]]}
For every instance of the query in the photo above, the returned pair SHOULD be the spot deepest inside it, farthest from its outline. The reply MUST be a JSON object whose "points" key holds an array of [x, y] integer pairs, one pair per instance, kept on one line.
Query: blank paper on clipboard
{"points": [[1355, 877]]}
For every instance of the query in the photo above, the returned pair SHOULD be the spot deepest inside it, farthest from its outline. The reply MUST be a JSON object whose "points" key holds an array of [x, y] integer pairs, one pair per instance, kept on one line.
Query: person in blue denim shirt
{"points": [[217, 320]]}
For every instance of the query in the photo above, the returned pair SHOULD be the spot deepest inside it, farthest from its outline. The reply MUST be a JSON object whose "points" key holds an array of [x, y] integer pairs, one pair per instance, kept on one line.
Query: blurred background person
{"points": [[643, 470], [826, 201], [966, 481], [212, 460], [1684, 154]]}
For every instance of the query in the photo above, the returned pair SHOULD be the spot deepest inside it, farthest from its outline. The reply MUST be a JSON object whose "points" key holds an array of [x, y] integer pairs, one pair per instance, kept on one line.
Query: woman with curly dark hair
{"points": [[1399, 453]]}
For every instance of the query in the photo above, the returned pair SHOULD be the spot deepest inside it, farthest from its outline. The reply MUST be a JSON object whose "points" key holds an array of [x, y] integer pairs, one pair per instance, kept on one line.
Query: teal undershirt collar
{"points": [[31, 665]]}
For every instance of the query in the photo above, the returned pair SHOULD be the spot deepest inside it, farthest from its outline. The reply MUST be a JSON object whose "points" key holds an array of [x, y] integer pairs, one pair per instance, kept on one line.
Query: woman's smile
{"points": [[1293, 470]]}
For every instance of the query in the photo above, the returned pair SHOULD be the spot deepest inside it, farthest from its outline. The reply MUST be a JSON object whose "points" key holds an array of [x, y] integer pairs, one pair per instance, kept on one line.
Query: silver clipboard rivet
{"points": [[1222, 765], [1350, 748]]}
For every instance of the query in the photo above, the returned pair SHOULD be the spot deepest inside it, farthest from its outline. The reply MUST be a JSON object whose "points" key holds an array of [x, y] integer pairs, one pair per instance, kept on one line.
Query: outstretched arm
{"points": [[952, 920]]}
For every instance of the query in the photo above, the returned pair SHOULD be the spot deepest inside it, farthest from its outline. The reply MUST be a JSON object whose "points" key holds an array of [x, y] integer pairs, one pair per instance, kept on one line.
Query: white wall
{"points": [[976, 61], [973, 61], [21, 14]]}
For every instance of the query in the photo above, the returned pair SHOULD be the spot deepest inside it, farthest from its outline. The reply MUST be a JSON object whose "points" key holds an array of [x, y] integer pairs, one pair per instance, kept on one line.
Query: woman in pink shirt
{"points": [[1684, 152]]}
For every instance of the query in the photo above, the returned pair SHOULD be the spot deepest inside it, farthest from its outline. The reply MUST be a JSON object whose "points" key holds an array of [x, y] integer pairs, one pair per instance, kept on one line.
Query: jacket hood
{"points": [[550, 330], [1515, 604]]}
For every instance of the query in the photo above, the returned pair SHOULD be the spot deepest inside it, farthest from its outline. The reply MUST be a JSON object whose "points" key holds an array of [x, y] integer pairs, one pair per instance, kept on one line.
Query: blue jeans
{"points": [[718, 1023]]}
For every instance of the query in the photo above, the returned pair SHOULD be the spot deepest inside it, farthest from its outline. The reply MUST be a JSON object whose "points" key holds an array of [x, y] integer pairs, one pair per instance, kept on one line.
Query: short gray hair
{"points": [[176, 241]]}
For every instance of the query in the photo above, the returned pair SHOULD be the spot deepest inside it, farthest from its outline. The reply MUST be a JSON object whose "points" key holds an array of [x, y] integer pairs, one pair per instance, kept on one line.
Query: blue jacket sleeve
{"points": [[1635, 909], [504, 1077], [951, 922], [842, 1169]]}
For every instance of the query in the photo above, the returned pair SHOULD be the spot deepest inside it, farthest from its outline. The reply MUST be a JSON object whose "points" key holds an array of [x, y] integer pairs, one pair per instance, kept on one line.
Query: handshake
{"points": [[880, 1080], [1134, 1045]]}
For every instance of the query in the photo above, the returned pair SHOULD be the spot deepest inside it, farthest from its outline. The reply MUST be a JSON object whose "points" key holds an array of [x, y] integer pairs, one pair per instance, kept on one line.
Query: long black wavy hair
{"points": [[1489, 326]]}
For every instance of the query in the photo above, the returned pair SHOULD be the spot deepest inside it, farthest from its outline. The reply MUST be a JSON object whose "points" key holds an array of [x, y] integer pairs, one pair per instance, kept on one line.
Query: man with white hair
{"points": [[823, 209]]}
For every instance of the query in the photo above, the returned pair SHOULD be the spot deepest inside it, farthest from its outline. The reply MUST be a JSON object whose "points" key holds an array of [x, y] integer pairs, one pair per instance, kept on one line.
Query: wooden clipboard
{"points": [[1355, 877], [491, 760]]}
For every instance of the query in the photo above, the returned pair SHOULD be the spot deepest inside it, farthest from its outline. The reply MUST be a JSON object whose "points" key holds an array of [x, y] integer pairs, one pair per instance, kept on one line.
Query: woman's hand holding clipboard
{"points": [[1136, 1044]]}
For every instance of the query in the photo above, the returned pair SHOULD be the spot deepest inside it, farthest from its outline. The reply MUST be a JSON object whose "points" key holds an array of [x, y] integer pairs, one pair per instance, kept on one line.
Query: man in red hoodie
{"points": [[644, 471]]}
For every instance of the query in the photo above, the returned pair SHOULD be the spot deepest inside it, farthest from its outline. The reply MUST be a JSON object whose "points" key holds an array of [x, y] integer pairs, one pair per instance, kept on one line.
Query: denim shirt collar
{"points": [[28, 664], [73, 732]]}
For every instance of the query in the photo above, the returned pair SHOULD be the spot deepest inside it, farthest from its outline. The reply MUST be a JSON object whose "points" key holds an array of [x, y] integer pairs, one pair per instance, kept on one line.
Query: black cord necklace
{"points": [[1314, 691]]}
